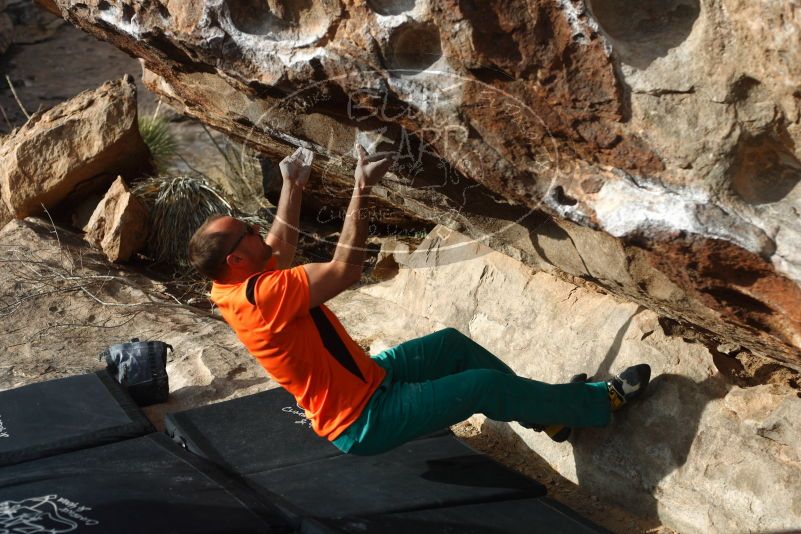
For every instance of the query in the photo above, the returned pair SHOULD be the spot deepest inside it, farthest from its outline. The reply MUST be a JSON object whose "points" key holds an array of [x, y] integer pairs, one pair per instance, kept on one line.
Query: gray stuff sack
{"points": [[140, 367]]}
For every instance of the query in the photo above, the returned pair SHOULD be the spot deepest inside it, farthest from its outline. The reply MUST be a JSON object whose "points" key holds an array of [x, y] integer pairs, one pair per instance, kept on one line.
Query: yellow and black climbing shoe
{"points": [[628, 385]]}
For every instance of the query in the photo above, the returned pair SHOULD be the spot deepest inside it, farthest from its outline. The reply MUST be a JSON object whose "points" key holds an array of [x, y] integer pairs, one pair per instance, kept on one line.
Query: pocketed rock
{"points": [[48, 158], [119, 223]]}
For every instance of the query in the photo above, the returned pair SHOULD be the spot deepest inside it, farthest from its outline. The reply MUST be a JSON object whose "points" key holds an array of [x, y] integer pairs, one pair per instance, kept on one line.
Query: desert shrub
{"points": [[155, 131], [179, 204]]}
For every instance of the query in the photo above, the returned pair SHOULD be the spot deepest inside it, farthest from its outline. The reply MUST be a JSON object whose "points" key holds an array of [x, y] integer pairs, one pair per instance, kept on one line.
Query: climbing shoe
{"points": [[628, 385], [559, 433]]}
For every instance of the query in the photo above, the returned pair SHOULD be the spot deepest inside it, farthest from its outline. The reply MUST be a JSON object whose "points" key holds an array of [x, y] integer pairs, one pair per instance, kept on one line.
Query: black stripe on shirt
{"points": [[333, 343], [250, 290]]}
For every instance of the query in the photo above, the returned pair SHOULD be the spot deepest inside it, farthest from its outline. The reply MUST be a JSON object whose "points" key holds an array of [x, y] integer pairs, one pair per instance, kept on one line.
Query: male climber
{"points": [[367, 405]]}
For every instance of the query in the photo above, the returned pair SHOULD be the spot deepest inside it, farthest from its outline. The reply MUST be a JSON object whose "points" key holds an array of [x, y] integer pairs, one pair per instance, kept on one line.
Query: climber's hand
{"points": [[296, 167], [370, 169]]}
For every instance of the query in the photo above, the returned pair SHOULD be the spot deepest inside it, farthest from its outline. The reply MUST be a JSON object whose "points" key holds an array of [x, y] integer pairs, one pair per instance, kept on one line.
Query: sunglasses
{"points": [[249, 230]]}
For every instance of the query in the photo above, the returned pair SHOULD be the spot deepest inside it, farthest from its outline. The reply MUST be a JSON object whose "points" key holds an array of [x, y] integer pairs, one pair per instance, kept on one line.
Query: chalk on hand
{"points": [[303, 156]]}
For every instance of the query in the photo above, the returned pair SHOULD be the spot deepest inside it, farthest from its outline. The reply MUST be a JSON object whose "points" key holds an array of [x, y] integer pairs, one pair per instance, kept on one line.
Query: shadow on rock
{"points": [[646, 442], [604, 369]]}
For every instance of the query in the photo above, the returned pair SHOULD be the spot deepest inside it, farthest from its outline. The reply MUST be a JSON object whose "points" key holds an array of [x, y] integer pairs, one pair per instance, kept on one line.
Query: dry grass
{"points": [[67, 272]]}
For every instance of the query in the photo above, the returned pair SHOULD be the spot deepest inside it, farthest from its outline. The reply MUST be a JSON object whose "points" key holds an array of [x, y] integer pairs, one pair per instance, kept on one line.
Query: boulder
{"points": [[56, 152], [651, 148], [703, 451], [5, 215], [119, 224], [83, 211]]}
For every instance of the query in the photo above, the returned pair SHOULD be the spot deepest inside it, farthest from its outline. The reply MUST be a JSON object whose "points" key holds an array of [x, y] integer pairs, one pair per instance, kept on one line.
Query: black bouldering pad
{"points": [[267, 440], [251, 434], [523, 516], [146, 484], [64, 415], [426, 473]]}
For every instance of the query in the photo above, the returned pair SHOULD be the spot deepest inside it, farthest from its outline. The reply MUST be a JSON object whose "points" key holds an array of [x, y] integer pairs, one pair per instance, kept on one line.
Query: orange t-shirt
{"points": [[308, 352]]}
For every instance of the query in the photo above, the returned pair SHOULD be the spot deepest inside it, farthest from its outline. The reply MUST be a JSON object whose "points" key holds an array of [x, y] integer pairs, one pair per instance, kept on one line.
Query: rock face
{"points": [[67, 151], [670, 144], [699, 453], [119, 223]]}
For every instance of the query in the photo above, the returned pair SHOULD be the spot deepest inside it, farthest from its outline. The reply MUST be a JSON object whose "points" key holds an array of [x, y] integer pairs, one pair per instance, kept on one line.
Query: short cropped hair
{"points": [[207, 250]]}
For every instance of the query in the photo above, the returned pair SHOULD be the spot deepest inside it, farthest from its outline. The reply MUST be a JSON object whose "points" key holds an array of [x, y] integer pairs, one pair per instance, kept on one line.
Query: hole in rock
{"points": [[563, 198], [163, 10], [391, 7], [753, 312], [413, 47], [745, 370], [729, 366], [127, 12], [280, 20], [742, 88], [737, 299], [766, 171], [643, 30]]}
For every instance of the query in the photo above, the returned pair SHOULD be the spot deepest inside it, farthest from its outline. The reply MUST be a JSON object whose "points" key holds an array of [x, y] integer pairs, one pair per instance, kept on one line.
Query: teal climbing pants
{"points": [[443, 378]]}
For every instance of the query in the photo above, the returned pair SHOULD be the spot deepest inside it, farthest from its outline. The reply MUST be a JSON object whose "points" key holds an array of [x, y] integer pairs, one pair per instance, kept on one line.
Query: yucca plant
{"points": [[179, 204], [155, 132], [242, 170]]}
